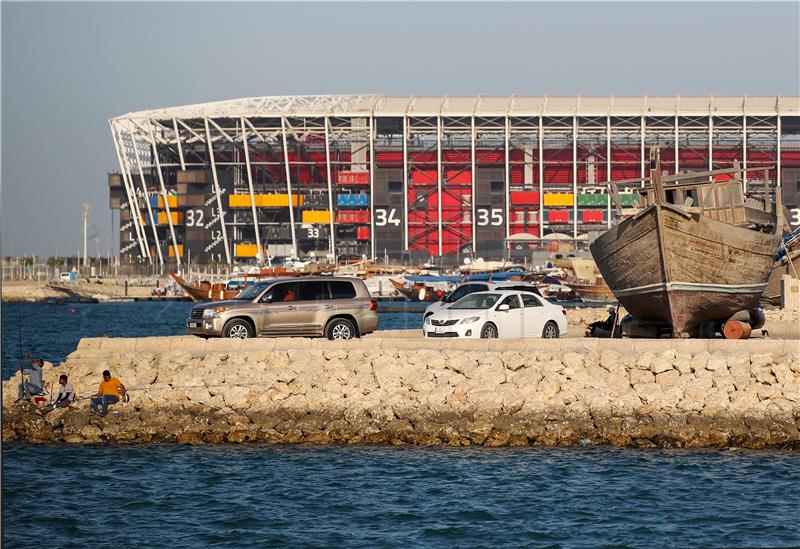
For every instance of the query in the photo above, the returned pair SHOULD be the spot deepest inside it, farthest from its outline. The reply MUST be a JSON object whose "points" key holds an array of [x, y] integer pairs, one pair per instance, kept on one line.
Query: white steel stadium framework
{"points": [[379, 176]]}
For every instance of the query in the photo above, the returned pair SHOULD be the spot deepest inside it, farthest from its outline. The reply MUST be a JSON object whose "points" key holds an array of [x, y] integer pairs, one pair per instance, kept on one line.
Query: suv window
{"points": [[312, 291], [463, 290], [280, 292], [512, 301], [529, 300], [523, 288], [341, 289]]}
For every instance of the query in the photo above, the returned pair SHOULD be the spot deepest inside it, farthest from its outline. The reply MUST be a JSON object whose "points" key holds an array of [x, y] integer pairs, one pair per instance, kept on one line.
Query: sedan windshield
{"points": [[476, 301], [251, 292]]}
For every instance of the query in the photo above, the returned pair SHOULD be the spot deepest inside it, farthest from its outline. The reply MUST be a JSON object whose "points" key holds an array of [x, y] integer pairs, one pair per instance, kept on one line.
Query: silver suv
{"points": [[336, 307]]}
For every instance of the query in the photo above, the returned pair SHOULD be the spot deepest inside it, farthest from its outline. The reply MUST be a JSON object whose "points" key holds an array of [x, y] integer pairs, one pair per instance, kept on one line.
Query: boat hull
{"points": [[667, 265]]}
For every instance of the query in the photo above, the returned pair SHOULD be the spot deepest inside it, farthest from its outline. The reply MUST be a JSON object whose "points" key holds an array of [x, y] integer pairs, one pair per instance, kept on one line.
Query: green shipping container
{"points": [[628, 199], [592, 199]]}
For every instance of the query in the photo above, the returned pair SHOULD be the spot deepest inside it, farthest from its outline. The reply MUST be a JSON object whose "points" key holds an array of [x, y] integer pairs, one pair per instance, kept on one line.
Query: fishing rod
{"points": [[25, 392]]}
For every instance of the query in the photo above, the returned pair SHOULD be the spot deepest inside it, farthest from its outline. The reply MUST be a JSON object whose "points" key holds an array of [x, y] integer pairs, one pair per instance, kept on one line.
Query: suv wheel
{"points": [[340, 328], [550, 330], [238, 329]]}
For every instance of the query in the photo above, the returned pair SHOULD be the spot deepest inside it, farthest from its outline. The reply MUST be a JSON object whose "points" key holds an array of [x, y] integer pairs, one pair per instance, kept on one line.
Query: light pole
{"points": [[86, 209]]}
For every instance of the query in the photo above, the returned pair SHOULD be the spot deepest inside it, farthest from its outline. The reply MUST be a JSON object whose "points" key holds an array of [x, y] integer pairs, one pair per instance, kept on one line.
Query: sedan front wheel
{"points": [[489, 331]]}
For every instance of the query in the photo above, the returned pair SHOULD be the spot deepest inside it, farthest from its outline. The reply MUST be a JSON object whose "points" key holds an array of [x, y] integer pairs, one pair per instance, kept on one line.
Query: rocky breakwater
{"points": [[414, 391]]}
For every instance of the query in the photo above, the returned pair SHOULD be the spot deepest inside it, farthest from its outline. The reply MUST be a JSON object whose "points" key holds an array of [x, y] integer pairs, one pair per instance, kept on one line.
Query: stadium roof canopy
{"points": [[383, 105]]}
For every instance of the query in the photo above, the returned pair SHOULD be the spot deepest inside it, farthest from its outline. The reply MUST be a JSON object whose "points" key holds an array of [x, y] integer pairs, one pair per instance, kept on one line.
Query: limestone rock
{"points": [[610, 359], [716, 362], [662, 363], [783, 374], [512, 361], [638, 377], [572, 360], [668, 378], [683, 362], [648, 392]]}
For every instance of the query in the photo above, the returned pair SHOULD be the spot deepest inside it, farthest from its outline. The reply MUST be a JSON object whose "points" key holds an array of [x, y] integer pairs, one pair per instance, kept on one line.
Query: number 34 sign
{"points": [[384, 217]]}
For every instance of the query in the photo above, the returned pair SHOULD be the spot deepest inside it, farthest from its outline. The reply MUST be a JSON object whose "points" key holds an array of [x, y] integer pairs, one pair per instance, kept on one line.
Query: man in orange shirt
{"points": [[111, 390]]}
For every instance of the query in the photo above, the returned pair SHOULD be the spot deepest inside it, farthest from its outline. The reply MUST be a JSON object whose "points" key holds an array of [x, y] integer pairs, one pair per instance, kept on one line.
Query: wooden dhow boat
{"points": [[221, 291], [599, 292], [695, 253]]}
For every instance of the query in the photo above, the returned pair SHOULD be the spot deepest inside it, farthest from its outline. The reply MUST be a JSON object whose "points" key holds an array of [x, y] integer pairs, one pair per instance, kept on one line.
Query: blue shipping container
{"points": [[352, 200]]}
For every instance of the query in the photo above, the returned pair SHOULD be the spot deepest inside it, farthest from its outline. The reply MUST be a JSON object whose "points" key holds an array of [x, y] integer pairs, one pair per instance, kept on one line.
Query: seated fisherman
{"points": [[66, 396], [111, 390], [33, 385]]}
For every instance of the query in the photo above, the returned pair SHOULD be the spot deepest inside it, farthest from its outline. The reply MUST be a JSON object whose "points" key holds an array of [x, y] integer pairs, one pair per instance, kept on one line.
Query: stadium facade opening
{"points": [[410, 178]]}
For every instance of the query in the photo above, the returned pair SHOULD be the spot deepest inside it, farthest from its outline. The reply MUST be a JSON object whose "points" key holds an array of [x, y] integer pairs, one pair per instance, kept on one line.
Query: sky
{"points": [[69, 67]]}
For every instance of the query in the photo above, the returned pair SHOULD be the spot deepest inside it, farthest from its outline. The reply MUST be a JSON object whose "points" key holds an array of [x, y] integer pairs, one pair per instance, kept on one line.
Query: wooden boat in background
{"points": [[788, 263], [695, 254], [220, 291], [598, 292], [206, 291], [585, 280]]}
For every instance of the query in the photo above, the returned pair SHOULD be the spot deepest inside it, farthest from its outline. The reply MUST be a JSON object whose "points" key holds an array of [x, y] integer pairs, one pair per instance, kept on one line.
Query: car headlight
{"points": [[470, 319], [212, 313], [427, 320]]}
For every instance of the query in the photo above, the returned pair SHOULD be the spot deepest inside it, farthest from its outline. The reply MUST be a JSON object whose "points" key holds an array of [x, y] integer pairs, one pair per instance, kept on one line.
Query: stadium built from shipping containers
{"points": [[408, 178]]}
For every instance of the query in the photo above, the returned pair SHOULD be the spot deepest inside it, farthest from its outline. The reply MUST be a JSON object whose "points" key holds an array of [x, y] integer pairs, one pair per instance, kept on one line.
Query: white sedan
{"points": [[507, 314]]}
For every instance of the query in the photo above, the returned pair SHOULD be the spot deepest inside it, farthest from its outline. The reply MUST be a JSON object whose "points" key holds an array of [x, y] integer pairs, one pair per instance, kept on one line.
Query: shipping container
{"points": [[627, 199], [558, 199], [246, 250], [458, 177], [352, 200], [264, 200], [316, 216], [558, 216], [352, 216], [352, 178], [524, 198], [157, 201], [424, 177], [592, 216], [592, 199]]}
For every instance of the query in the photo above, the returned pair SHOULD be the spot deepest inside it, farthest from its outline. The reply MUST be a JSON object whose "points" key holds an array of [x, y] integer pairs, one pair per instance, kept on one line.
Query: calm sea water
{"points": [[279, 496], [286, 496]]}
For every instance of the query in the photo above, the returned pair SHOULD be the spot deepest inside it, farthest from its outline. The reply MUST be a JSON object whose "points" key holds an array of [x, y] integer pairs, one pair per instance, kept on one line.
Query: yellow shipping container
{"points": [[316, 216], [239, 200], [246, 250], [177, 218], [264, 200], [558, 199], [172, 200]]}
